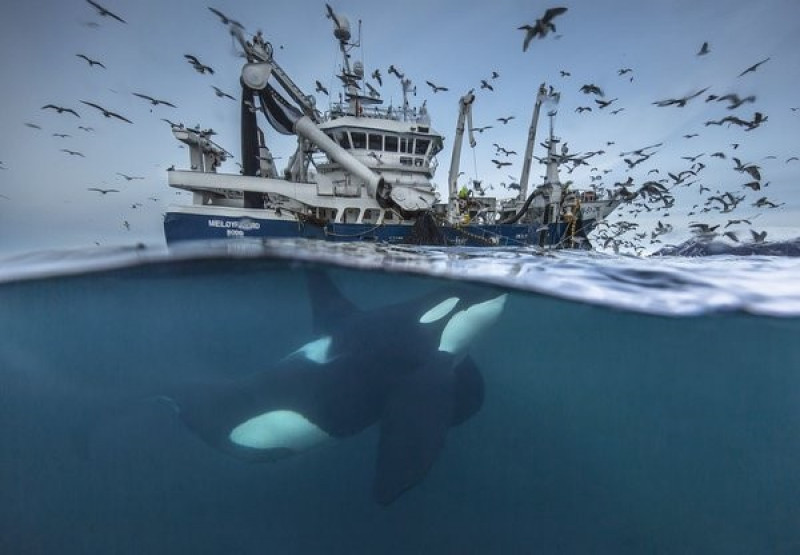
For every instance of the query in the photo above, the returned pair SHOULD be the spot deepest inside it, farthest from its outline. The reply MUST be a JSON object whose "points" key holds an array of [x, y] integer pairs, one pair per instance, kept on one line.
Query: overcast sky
{"points": [[45, 202]]}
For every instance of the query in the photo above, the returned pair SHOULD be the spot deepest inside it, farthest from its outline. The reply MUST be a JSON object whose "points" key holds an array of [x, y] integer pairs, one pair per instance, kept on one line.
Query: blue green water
{"points": [[606, 428]]}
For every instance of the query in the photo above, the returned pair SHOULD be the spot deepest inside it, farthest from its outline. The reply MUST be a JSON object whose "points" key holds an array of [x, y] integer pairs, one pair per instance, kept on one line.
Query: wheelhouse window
{"points": [[406, 145], [390, 143], [359, 139], [343, 138], [375, 142], [421, 146]]}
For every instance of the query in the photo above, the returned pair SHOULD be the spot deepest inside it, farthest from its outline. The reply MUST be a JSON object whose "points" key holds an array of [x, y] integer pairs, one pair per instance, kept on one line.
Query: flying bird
{"points": [[222, 94], [604, 103], [679, 102], [735, 101], [61, 135], [754, 67], [394, 70], [321, 88], [154, 101], [436, 88], [60, 109], [703, 49], [198, 66], [485, 85], [592, 89], [91, 61], [104, 12], [73, 152], [106, 113], [103, 191], [129, 177], [32, 125], [542, 26], [225, 19], [505, 120], [377, 76]]}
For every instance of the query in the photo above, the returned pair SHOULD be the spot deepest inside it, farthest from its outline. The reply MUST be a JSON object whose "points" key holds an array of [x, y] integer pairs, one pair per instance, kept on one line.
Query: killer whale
{"points": [[404, 367]]}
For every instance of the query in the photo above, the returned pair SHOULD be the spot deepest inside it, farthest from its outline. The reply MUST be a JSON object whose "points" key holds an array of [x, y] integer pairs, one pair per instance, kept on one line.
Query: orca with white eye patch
{"points": [[404, 367]]}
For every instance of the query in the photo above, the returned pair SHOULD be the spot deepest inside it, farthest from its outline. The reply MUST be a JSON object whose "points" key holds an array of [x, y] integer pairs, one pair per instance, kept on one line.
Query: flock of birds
{"points": [[75, 112], [654, 194]]}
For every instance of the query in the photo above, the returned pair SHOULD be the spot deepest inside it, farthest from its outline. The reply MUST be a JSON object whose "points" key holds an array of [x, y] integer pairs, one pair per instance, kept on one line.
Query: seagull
{"points": [[505, 120], [106, 113], [84, 128], [104, 12], [225, 19], [155, 101], [758, 237], [372, 90], [604, 103], [321, 88], [129, 177], [198, 66], [754, 67], [32, 125], [60, 109], [91, 61], [679, 102], [500, 164], [735, 101], [703, 49], [377, 76], [172, 123], [103, 191], [394, 70], [485, 85], [592, 89], [541, 27], [437, 88], [61, 135], [221, 93], [73, 152]]}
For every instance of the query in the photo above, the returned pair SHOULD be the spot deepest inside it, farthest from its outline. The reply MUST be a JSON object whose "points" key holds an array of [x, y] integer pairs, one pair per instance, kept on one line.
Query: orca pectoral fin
{"points": [[418, 412]]}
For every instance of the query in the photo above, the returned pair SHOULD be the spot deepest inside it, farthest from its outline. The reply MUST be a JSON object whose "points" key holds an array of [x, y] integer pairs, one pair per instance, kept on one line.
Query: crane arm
{"points": [[464, 115]]}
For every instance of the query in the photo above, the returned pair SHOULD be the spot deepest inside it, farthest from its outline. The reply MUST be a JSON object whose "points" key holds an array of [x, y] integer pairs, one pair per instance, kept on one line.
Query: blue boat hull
{"points": [[182, 226]]}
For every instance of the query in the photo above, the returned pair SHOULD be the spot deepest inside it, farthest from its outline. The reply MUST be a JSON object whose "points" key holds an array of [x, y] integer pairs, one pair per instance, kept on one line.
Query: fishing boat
{"points": [[362, 172]]}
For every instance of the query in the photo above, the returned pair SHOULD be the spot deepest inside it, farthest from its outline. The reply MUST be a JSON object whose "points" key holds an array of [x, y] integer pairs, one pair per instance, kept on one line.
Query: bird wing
{"points": [[165, 103], [219, 14], [93, 105], [551, 13], [192, 59], [150, 98], [114, 115]]}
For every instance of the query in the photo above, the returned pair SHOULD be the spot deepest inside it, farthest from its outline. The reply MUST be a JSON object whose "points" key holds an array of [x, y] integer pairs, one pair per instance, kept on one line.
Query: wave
{"points": [[678, 285], [701, 247]]}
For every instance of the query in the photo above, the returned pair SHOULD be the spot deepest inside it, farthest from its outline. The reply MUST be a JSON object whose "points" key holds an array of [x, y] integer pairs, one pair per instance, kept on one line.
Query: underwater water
{"points": [[630, 405]]}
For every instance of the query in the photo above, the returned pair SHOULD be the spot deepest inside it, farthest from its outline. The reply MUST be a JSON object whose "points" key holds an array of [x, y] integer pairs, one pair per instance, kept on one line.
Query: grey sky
{"points": [[452, 43]]}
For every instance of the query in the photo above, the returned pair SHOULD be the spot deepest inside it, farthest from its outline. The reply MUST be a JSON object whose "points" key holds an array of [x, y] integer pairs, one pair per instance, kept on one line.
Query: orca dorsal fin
{"points": [[328, 306]]}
